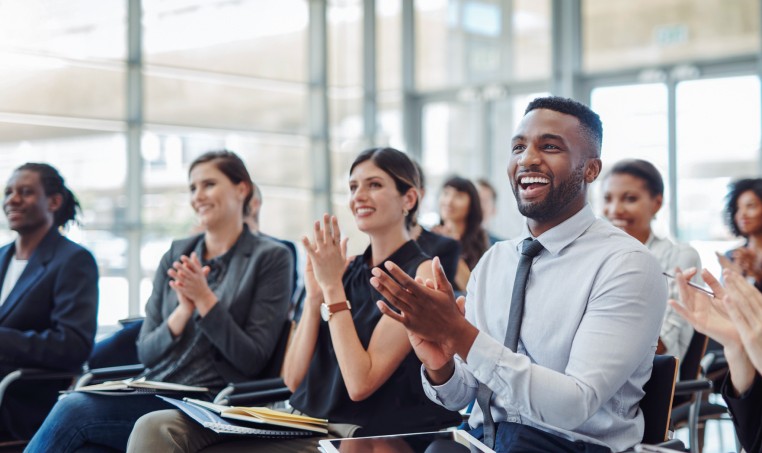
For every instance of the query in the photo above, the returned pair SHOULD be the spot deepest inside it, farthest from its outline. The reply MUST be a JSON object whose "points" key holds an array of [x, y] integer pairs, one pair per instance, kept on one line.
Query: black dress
{"points": [[399, 405]]}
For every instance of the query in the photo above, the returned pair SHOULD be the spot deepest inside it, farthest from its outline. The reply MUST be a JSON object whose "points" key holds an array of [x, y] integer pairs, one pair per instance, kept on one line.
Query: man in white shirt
{"points": [[594, 302]]}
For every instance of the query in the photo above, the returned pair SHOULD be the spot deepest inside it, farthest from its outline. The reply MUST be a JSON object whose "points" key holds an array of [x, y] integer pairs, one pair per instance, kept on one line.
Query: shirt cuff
{"points": [[451, 387], [485, 354]]}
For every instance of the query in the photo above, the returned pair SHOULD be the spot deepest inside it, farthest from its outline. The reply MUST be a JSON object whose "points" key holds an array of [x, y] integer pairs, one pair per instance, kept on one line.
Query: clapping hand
{"points": [[705, 313], [429, 312], [328, 253], [189, 282], [744, 307]]}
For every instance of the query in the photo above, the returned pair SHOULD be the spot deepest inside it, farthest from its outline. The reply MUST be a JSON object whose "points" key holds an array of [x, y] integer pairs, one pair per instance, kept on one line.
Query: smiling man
{"points": [[561, 322], [48, 295]]}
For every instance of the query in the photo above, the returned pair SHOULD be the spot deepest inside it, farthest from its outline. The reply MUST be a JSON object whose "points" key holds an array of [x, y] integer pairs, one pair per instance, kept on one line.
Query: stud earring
{"points": [[405, 212]]}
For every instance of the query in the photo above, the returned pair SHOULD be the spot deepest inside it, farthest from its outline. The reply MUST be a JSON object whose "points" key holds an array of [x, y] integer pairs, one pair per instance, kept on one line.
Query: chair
{"points": [[657, 401], [18, 376], [698, 410]]}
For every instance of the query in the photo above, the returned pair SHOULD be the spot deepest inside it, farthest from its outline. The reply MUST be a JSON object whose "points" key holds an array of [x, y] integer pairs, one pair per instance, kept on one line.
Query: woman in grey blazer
{"points": [[219, 301]]}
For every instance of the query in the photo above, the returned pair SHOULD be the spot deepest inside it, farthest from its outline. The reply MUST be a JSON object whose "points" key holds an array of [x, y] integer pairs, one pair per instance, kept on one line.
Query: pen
{"points": [[690, 283]]}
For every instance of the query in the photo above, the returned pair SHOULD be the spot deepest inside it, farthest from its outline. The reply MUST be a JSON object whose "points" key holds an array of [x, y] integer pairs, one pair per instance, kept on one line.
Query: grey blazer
{"points": [[245, 323]]}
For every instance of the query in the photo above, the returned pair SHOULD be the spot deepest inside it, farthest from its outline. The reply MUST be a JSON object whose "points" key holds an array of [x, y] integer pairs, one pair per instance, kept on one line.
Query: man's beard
{"points": [[556, 200]]}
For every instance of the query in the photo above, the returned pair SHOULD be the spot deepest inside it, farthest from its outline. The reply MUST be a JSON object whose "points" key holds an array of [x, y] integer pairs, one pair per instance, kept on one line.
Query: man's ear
{"points": [[54, 202], [592, 169]]}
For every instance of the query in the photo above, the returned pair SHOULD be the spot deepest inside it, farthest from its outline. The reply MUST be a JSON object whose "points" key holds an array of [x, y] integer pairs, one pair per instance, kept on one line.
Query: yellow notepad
{"points": [[264, 415]]}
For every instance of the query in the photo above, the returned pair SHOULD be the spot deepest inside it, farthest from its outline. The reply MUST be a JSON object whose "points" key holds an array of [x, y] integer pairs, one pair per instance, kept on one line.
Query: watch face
{"points": [[325, 313]]}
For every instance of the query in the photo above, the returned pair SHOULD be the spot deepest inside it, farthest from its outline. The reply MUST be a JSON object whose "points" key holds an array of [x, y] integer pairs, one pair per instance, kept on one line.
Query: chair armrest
{"points": [[692, 386], [34, 373], [259, 398], [673, 444], [248, 387], [114, 372], [257, 392]]}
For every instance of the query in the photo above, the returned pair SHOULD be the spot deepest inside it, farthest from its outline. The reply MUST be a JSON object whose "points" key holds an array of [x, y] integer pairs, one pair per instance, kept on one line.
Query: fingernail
{"points": [[374, 282], [388, 265]]}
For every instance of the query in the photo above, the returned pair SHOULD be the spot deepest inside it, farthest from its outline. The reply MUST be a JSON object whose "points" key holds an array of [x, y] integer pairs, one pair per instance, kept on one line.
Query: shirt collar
{"points": [[557, 238]]}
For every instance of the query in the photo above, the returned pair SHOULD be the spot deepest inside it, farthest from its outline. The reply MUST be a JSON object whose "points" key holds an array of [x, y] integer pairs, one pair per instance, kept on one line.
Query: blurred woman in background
{"points": [[743, 214], [633, 192], [461, 216]]}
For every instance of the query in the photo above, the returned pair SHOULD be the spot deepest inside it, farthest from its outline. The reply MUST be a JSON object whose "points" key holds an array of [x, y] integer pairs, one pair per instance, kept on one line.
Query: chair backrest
{"points": [[657, 402], [275, 364], [690, 366]]}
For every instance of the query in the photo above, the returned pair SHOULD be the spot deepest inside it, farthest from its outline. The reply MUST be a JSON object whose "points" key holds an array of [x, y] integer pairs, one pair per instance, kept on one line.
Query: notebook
{"points": [[224, 425]]}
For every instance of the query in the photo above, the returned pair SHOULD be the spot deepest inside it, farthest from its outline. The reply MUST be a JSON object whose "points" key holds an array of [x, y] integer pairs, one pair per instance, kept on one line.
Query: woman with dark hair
{"points": [[49, 296], [219, 300], [633, 192], [460, 212], [346, 362], [743, 214]]}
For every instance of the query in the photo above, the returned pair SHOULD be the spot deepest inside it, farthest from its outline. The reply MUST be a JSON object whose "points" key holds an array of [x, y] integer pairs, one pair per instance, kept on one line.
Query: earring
{"points": [[405, 212]]}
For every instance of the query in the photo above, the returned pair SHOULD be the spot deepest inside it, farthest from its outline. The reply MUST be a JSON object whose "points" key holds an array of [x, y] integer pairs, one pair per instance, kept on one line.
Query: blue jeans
{"points": [[517, 438], [90, 422]]}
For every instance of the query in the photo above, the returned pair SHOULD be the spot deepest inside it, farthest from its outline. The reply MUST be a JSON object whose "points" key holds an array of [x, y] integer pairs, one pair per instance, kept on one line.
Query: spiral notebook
{"points": [[213, 421]]}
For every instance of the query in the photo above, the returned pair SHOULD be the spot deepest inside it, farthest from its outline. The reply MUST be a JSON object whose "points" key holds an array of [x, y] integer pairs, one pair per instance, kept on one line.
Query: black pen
{"points": [[690, 283]]}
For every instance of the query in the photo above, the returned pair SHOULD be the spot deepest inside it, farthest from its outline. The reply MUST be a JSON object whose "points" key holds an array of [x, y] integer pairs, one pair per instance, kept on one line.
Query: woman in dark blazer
{"points": [[219, 301], [49, 295]]}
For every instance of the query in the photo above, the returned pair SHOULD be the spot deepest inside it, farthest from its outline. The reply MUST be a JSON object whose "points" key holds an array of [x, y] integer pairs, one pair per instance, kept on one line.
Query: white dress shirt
{"points": [[595, 300], [676, 332]]}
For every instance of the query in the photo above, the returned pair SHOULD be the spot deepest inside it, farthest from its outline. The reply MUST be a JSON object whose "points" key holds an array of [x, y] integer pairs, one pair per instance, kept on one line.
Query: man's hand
{"points": [[434, 320]]}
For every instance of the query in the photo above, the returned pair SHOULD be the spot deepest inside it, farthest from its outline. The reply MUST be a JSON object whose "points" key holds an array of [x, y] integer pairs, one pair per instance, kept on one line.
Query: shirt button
{"points": [[513, 419]]}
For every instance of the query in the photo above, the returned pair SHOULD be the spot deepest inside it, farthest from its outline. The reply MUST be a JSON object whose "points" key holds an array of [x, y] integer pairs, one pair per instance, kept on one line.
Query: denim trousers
{"points": [[518, 438], [91, 422]]}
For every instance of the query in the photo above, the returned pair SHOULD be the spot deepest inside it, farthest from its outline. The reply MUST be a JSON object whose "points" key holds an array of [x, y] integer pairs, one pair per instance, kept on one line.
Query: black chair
{"points": [[657, 401], [28, 376]]}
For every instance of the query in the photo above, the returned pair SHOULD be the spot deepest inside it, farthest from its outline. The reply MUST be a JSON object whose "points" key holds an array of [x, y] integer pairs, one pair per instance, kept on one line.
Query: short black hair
{"points": [[731, 206], [232, 166], [590, 122], [53, 183], [641, 169]]}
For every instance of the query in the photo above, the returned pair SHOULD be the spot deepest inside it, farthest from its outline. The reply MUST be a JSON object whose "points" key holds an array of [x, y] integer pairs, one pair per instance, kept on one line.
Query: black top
{"points": [[447, 249], [747, 413], [399, 405]]}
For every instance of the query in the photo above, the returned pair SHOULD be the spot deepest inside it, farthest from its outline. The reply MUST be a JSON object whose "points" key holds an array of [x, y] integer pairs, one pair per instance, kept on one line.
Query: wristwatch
{"points": [[326, 311]]}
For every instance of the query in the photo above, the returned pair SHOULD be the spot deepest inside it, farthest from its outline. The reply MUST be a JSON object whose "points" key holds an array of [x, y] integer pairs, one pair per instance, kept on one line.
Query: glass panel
{"points": [[346, 112], [224, 103], [52, 86], [244, 37], [451, 144], [80, 29], [620, 34], [388, 44], [437, 57], [532, 38], [93, 164], [714, 147], [634, 127], [345, 43]]}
